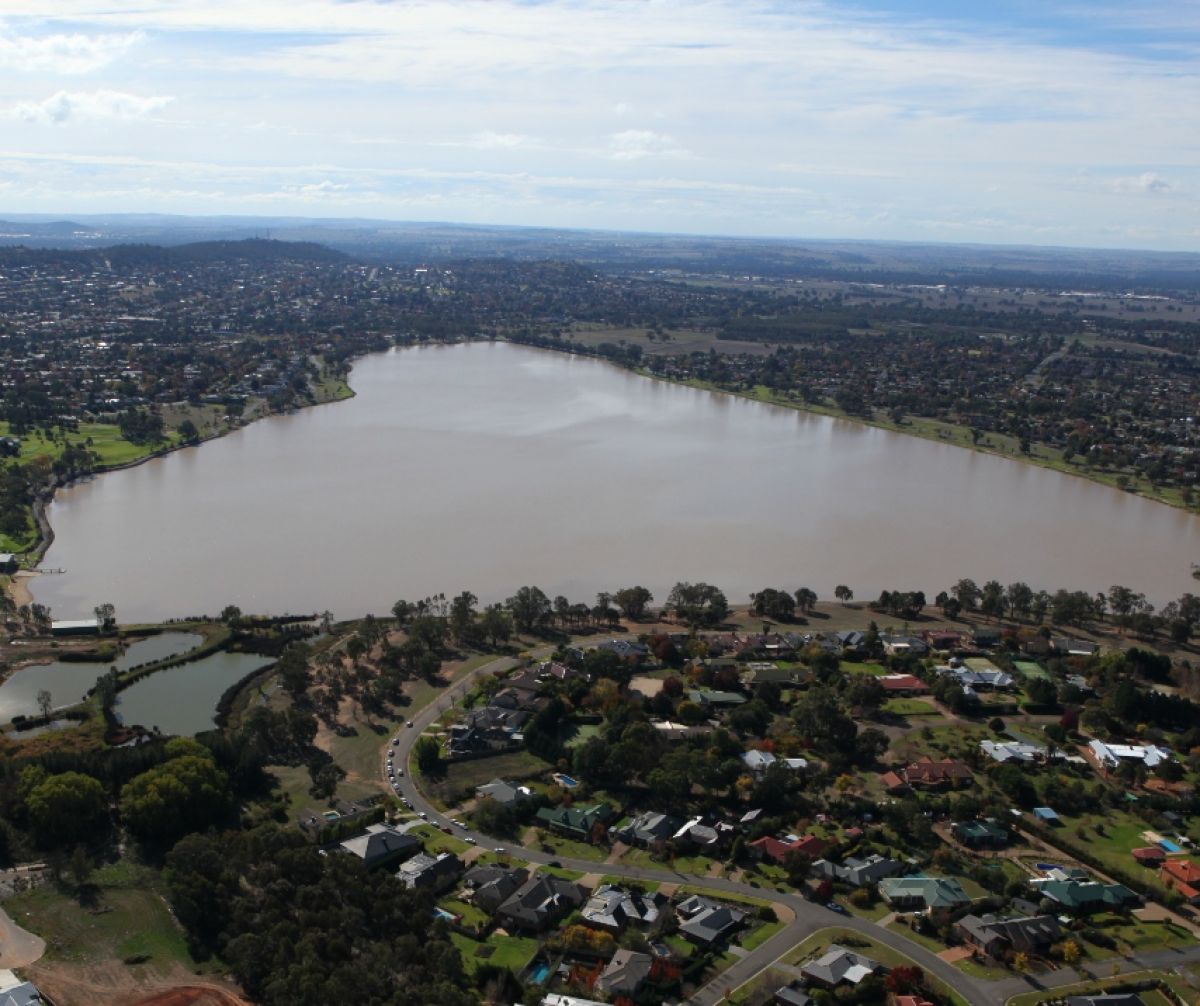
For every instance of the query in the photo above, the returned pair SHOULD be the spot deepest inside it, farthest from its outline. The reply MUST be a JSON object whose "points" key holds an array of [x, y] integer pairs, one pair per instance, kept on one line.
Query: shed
{"points": [[1047, 815]]}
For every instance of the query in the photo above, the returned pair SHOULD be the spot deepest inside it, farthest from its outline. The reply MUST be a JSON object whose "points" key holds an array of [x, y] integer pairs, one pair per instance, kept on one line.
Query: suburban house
{"points": [[989, 678], [932, 895], [1112, 999], [980, 834], [839, 966], [8, 563], [1081, 896], [768, 847], [585, 824], [707, 922], [898, 646], [650, 829], [858, 872], [625, 973], [503, 792], [491, 886], [381, 845], [1112, 755], [903, 684], [14, 992], [997, 938], [708, 698], [625, 649], [1182, 875], [925, 773], [612, 907], [705, 831], [790, 995], [1018, 752], [1149, 855], [539, 903], [430, 873]]}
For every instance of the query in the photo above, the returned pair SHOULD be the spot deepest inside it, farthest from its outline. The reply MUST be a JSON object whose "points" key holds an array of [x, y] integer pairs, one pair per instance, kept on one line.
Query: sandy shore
{"points": [[18, 588]]}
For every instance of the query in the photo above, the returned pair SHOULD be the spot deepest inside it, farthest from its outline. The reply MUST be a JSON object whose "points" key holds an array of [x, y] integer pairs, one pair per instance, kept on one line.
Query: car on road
{"points": [[423, 816], [459, 824], [409, 723], [395, 741], [399, 771], [833, 906], [499, 849], [469, 840], [555, 864]]}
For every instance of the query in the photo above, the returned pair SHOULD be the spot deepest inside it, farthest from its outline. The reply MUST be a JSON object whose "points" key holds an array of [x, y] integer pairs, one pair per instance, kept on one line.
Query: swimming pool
{"points": [[539, 974], [1169, 846], [566, 780], [441, 913]]}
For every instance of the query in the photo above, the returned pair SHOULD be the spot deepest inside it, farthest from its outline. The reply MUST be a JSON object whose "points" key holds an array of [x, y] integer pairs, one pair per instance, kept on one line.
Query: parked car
{"points": [[833, 906], [409, 723], [469, 840], [423, 816]]}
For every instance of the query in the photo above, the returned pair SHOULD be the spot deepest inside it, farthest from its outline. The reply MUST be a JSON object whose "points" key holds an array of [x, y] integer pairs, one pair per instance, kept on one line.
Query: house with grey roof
{"points": [[539, 903], [19, 993], [864, 872], [998, 938], [650, 829], [380, 845], [503, 792], [1112, 999], [625, 973], [707, 922], [1017, 752], [611, 907], [491, 886], [839, 966], [431, 873]]}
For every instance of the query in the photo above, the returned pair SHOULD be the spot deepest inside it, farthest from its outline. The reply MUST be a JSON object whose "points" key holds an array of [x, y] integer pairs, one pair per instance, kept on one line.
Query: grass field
{"points": [[864, 667], [759, 935], [127, 921]]}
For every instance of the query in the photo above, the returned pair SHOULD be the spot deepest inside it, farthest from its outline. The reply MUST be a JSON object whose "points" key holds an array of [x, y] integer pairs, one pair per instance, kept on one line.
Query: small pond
{"points": [[183, 700], [68, 681]]}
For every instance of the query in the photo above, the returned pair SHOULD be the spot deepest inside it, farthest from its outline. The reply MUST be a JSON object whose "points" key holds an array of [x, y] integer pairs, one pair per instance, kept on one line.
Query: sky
{"points": [[990, 121]]}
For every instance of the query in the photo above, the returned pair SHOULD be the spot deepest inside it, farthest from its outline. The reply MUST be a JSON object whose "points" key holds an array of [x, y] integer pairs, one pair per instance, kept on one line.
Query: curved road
{"points": [[809, 917]]}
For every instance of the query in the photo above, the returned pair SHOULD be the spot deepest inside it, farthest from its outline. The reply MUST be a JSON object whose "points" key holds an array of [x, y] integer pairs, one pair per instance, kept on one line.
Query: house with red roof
{"points": [[948, 773], [903, 684], [1182, 875], [1150, 855], [768, 847]]}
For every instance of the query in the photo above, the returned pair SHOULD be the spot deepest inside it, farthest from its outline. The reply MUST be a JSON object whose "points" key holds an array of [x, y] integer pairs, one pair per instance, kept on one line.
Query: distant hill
{"points": [[197, 253], [425, 243]]}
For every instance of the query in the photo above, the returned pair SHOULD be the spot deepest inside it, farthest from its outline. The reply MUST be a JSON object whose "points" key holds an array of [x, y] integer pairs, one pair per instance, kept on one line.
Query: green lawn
{"points": [[861, 667], [512, 952], [910, 707], [759, 935], [568, 848], [470, 915], [1029, 669], [695, 865], [437, 840]]}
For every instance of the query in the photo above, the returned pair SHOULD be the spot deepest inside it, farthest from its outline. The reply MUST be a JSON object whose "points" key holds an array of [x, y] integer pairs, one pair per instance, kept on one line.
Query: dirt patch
{"points": [[193, 996]]}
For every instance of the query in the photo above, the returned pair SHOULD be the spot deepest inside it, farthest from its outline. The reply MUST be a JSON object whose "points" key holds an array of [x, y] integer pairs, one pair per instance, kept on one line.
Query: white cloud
{"points": [[1148, 182], [64, 53], [89, 105], [634, 144], [487, 140]]}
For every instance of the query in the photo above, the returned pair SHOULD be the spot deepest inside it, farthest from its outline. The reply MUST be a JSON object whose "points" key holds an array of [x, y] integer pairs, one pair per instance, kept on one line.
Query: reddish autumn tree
{"points": [[905, 978]]}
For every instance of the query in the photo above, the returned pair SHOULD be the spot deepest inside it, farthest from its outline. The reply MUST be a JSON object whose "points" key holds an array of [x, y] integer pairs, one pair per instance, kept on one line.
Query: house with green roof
{"points": [[918, 893], [1082, 896], [980, 834], [587, 824]]}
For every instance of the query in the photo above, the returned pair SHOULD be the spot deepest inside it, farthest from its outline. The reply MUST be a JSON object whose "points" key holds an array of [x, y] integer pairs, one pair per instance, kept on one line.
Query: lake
{"points": [[488, 466], [67, 681]]}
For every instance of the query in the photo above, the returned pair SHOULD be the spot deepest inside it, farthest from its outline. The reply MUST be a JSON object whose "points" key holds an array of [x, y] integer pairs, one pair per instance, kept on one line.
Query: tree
{"points": [[187, 432], [231, 614], [185, 793], [1020, 961], [698, 604], [805, 600], [496, 624], [905, 978], [778, 605], [1071, 953], [462, 616], [427, 754], [843, 593], [45, 702], [1020, 599], [530, 609], [65, 809], [106, 616], [633, 602], [966, 593]]}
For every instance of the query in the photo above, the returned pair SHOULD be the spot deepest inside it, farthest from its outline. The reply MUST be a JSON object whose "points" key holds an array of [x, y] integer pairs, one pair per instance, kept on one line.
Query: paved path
{"points": [[18, 948], [808, 918]]}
